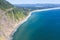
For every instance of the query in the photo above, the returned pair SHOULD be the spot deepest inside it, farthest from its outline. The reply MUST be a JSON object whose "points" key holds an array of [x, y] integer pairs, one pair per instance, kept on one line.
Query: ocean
{"points": [[43, 25]]}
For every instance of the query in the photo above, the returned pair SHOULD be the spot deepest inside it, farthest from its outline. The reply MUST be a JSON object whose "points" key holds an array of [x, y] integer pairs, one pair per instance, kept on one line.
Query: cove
{"points": [[43, 25]]}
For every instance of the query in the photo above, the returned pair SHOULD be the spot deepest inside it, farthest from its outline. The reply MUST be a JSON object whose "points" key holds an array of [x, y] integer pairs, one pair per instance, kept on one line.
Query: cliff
{"points": [[9, 17]]}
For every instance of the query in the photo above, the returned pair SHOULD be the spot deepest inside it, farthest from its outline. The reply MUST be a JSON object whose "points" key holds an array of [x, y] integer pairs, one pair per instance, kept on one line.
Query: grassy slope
{"points": [[18, 13], [8, 17]]}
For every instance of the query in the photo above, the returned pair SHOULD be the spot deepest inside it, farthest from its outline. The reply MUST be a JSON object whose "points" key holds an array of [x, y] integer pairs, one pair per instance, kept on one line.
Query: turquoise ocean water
{"points": [[44, 25]]}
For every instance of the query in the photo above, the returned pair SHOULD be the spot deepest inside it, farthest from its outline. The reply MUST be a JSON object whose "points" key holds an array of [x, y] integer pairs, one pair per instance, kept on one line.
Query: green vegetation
{"points": [[5, 5], [17, 14], [9, 16]]}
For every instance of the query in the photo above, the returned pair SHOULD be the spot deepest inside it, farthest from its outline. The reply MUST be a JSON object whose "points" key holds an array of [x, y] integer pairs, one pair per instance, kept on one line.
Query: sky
{"points": [[34, 1]]}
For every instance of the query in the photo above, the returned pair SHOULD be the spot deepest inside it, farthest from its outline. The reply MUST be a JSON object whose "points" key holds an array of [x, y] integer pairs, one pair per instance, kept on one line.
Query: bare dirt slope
{"points": [[6, 25]]}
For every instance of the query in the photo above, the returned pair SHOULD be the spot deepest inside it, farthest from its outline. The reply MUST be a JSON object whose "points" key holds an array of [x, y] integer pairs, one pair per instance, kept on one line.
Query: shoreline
{"points": [[45, 9], [18, 24], [25, 19]]}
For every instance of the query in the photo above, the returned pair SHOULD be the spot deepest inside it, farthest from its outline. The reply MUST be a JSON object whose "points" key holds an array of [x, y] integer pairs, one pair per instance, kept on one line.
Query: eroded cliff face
{"points": [[9, 17], [7, 22], [6, 25]]}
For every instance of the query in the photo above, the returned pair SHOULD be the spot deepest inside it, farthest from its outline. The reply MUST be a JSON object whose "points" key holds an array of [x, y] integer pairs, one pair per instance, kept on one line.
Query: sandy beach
{"points": [[25, 19], [18, 24]]}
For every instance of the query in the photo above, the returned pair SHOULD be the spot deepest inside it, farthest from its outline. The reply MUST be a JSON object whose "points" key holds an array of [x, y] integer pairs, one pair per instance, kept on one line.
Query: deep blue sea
{"points": [[44, 25]]}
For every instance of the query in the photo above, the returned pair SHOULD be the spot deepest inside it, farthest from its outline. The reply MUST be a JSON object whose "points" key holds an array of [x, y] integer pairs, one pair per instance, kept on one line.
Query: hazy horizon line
{"points": [[46, 3]]}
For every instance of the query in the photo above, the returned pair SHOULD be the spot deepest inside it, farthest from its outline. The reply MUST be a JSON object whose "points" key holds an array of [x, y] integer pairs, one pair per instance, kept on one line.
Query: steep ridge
{"points": [[9, 17], [5, 5]]}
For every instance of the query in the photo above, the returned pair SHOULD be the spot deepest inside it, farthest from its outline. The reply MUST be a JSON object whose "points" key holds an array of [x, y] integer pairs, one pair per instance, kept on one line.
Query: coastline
{"points": [[18, 24], [25, 19], [45, 9]]}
